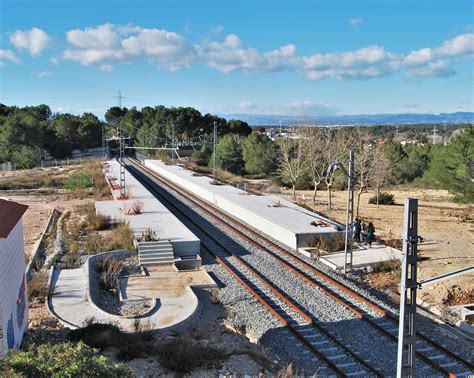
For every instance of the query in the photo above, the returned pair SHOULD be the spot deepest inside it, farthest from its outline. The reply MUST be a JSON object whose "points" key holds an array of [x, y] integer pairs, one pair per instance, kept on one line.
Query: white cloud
{"points": [[106, 44], [232, 55], [54, 61], [8, 55], [44, 74], [458, 47], [356, 21], [365, 63], [34, 40], [438, 68]]}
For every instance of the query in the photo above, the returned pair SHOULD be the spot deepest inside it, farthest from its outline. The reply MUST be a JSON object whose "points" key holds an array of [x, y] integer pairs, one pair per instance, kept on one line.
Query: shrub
{"points": [[61, 360], [109, 269], [181, 355], [386, 266], [122, 237], [328, 244], [137, 207], [70, 261], [96, 221], [93, 243], [79, 180], [38, 287], [98, 335], [383, 199]]}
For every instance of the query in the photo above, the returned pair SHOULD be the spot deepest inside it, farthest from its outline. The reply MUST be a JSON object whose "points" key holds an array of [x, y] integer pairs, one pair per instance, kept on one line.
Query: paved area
{"points": [[176, 301], [155, 215], [362, 257]]}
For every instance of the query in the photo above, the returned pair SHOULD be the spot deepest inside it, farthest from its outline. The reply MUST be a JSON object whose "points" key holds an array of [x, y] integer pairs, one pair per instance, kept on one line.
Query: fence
{"points": [[67, 162], [7, 167]]}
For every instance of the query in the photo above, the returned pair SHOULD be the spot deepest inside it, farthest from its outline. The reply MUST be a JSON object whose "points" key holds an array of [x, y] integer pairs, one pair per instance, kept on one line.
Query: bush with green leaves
{"points": [[60, 360], [79, 180], [383, 198], [229, 154]]}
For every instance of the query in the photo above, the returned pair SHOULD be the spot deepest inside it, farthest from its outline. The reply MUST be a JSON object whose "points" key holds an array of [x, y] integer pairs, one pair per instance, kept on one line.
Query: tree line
{"points": [[29, 134], [302, 158]]}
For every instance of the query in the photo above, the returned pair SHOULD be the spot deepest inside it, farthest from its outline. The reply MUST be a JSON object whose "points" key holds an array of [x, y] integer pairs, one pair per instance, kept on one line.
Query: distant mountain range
{"points": [[361, 119]]}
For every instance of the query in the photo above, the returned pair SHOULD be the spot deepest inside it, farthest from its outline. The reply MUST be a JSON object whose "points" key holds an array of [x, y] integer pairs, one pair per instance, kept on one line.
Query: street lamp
{"points": [[350, 206]]}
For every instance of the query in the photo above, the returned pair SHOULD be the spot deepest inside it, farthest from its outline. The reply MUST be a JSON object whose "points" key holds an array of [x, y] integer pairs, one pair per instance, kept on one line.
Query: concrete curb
{"points": [[29, 267]]}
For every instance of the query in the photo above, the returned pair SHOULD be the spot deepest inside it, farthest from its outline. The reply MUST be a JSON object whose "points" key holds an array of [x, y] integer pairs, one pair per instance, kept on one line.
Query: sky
{"points": [[303, 58]]}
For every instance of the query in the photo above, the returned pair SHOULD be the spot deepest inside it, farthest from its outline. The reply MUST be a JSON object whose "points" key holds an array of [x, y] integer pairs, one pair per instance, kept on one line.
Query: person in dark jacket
{"points": [[356, 230], [370, 234]]}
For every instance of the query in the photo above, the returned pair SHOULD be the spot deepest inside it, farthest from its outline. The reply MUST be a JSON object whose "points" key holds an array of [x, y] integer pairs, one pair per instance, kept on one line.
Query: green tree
{"points": [[203, 156], [229, 154], [239, 127], [259, 154], [452, 166]]}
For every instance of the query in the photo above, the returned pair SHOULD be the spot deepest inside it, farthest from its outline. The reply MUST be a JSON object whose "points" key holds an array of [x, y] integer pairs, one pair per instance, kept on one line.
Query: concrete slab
{"points": [[363, 257], [176, 308], [286, 222], [155, 215]]}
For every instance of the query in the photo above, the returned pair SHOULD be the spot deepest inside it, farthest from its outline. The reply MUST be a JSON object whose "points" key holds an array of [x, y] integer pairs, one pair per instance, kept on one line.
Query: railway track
{"points": [[386, 323]]}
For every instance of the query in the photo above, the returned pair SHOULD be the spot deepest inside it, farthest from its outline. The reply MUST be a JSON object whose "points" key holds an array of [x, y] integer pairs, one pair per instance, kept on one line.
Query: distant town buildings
{"points": [[13, 296]]}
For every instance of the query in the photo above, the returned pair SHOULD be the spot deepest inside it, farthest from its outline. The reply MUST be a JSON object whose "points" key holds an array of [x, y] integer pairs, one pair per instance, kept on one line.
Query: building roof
{"points": [[10, 213]]}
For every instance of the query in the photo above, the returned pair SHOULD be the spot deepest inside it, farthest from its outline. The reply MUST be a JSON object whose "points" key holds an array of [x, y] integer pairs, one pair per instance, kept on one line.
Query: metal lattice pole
{"points": [[122, 168], [214, 164], [173, 144], [408, 286], [349, 214]]}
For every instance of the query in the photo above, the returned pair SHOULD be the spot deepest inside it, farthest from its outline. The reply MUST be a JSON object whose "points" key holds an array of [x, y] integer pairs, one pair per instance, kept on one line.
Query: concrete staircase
{"points": [[155, 252]]}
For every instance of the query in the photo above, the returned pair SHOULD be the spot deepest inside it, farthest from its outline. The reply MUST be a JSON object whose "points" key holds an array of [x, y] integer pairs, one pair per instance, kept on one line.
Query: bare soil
{"points": [[445, 226]]}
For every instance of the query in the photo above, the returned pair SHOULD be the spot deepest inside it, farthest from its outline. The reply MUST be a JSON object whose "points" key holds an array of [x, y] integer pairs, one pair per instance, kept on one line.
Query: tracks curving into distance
{"points": [[303, 325]]}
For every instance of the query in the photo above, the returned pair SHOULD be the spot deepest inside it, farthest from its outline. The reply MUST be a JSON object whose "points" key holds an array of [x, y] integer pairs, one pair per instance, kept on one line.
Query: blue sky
{"points": [[262, 57]]}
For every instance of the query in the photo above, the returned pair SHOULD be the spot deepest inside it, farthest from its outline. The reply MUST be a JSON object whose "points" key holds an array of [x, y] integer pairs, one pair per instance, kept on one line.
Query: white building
{"points": [[13, 296]]}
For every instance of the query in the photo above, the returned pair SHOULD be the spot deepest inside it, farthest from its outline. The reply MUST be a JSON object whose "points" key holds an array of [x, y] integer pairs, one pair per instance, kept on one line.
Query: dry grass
{"points": [[387, 266], [122, 237], [328, 244], [458, 296], [109, 269], [38, 287], [95, 221]]}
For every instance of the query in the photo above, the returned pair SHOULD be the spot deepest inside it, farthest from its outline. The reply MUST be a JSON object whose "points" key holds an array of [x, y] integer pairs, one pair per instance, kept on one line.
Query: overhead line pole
{"points": [[349, 214], [214, 165]]}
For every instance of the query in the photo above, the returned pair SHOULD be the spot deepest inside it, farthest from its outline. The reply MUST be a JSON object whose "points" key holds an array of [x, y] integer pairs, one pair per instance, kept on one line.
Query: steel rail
{"points": [[204, 204], [308, 318]]}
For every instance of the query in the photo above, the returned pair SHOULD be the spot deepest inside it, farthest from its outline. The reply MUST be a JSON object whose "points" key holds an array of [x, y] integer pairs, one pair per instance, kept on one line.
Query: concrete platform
{"points": [[155, 215], [286, 222], [363, 257], [177, 304]]}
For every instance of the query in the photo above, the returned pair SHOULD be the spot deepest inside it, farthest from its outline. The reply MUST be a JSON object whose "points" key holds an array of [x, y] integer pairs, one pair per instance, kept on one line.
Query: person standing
{"points": [[356, 229], [370, 234]]}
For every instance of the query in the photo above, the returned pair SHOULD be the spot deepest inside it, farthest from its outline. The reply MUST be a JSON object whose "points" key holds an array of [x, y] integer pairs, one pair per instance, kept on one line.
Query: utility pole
{"points": [[121, 150], [349, 214], [408, 285], [103, 139], [214, 142], [434, 134], [173, 144]]}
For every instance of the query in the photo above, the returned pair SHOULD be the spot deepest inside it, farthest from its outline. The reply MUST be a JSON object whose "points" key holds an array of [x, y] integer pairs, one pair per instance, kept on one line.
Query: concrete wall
{"points": [[186, 247], [13, 295], [189, 264]]}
